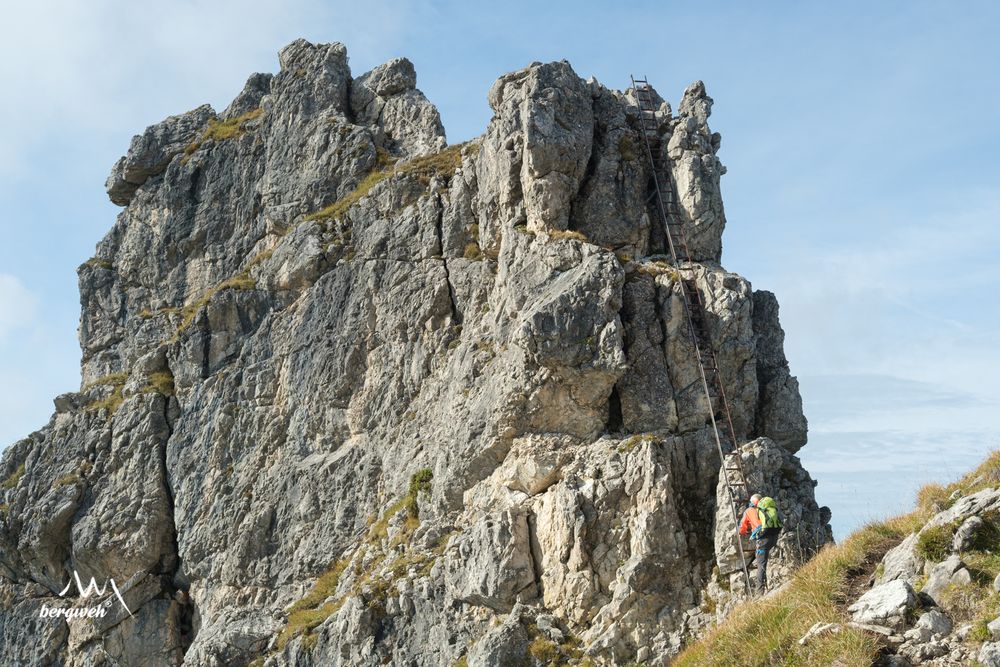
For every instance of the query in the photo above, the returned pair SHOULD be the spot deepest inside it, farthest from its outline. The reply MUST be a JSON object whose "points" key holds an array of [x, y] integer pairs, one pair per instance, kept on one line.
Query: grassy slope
{"points": [[766, 632]]}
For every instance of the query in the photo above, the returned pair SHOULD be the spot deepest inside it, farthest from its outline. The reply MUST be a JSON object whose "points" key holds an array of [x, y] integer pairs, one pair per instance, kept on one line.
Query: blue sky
{"points": [[861, 140]]}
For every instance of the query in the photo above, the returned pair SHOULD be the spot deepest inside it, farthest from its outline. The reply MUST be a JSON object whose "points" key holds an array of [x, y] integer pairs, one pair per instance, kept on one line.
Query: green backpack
{"points": [[767, 512]]}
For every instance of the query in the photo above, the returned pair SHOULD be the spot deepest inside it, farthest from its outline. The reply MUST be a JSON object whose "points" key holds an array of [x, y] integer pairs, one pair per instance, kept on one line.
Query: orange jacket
{"points": [[750, 521]]}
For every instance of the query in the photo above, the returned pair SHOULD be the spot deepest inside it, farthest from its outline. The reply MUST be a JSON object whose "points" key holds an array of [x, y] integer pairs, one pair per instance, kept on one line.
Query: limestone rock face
{"points": [[387, 98], [780, 413], [351, 396], [152, 151]]}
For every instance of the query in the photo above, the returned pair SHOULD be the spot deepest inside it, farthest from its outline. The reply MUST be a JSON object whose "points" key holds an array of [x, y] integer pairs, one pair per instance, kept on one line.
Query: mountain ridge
{"points": [[350, 395]]}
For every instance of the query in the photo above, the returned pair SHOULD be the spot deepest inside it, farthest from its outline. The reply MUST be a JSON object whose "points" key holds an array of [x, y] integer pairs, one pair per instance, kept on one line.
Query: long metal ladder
{"points": [[694, 312]]}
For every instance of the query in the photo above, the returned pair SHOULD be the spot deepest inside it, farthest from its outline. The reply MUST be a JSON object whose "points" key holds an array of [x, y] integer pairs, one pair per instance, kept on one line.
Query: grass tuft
{"points": [[472, 251], [439, 165], [109, 379], [188, 313], [14, 478], [659, 267], [634, 441], [986, 476], [564, 234], [442, 164], [74, 477], [160, 382], [309, 612], [933, 498], [626, 148], [113, 400], [98, 263], [420, 482], [544, 650], [934, 543], [220, 130], [339, 208]]}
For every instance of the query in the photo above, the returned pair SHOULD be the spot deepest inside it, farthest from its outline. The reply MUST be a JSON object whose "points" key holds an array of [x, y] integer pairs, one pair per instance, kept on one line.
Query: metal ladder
{"points": [[694, 312]]}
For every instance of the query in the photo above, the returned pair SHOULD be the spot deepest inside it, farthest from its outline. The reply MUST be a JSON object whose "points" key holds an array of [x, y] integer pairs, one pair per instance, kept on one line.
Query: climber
{"points": [[761, 522]]}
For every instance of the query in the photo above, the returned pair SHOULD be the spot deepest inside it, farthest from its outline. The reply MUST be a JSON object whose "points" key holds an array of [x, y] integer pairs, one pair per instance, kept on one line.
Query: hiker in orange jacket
{"points": [[765, 537], [750, 517]]}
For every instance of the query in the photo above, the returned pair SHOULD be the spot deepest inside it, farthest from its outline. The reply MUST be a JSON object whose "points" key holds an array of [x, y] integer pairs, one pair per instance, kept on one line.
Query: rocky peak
{"points": [[352, 396]]}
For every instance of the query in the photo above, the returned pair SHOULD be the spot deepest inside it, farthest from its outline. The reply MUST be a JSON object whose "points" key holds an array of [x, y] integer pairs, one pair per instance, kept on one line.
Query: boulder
{"points": [[819, 629], [965, 534], [941, 575], [935, 621], [902, 561], [490, 564], [885, 604], [922, 652], [506, 644], [893, 660], [989, 654], [884, 633]]}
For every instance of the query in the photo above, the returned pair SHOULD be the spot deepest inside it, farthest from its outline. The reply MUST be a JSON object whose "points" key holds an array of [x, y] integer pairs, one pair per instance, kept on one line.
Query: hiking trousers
{"points": [[764, 545]]}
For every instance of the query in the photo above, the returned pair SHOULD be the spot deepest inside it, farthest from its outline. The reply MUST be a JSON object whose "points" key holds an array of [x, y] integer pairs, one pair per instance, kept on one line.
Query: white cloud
{"points": [[907, 300], [890, 328], [18, 306], [875, 439]]}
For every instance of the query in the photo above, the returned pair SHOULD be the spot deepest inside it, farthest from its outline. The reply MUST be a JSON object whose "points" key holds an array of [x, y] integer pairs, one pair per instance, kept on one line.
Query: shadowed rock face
{"points": [[308, 299]]}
